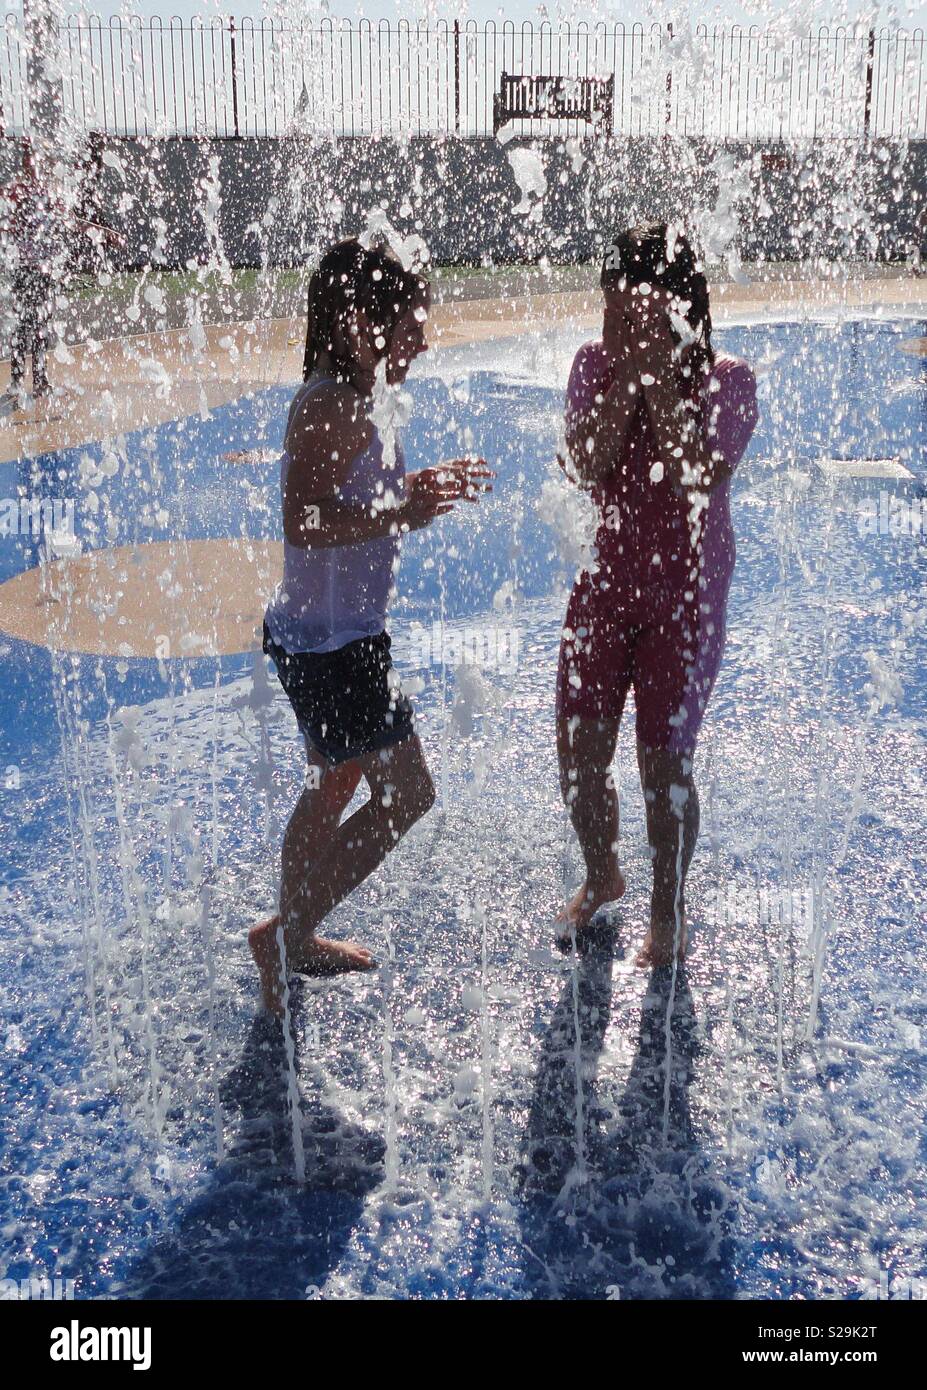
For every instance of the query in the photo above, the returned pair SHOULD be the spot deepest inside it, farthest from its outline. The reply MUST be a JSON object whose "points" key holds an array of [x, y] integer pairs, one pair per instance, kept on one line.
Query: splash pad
{"points": [[482, 1118]]}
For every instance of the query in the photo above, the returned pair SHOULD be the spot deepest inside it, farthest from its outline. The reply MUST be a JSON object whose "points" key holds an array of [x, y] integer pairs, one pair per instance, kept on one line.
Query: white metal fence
{"points": [[237, 77]]}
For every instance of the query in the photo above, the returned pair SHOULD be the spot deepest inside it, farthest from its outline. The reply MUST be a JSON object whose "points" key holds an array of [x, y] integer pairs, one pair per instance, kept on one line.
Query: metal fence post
{"points": [[870, 64], [43, 83], [669, 85], [235, 129], [456, 76]]}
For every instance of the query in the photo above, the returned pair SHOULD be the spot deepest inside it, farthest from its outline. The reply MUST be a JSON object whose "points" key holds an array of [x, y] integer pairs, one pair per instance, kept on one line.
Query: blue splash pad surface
{"points": [[480, 1119]]}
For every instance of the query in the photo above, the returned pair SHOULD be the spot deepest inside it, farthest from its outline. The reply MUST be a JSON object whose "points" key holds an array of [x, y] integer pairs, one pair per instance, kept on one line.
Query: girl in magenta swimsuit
{"points": [[656, 422]]}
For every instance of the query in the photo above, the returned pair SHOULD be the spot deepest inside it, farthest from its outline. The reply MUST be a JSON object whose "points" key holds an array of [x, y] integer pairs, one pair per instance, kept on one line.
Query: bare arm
{"points": [[326, 432], [595, 437], [596, 434]]}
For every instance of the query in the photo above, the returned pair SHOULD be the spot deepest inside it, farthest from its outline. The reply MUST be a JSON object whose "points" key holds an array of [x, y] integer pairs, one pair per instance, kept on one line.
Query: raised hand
{"points": [[465, 479], [432, 492], [650, 334], [617, 328]]}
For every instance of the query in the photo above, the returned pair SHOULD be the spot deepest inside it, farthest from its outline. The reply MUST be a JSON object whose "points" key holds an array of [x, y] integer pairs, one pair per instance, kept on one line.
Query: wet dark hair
{"points": [[642, 255], [350, 277]]}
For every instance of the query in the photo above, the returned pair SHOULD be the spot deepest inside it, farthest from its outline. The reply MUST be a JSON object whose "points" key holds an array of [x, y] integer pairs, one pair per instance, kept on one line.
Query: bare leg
{"points": [[311, 827], [19, 346], [401, 792], [671, 801], [329, 788], [585, 749], [42, 308]]}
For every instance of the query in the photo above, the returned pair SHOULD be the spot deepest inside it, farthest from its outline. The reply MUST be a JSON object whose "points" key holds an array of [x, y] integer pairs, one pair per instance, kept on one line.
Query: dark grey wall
{"points": [[253, 201]]}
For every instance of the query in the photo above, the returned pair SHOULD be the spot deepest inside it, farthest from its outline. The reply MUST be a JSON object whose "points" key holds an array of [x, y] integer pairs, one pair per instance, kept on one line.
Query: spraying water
{"points": [[647, 1134]]}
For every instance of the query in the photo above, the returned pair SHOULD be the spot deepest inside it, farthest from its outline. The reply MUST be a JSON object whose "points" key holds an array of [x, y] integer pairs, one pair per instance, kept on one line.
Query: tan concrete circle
{"points": [[206, 597], [168, 599]]}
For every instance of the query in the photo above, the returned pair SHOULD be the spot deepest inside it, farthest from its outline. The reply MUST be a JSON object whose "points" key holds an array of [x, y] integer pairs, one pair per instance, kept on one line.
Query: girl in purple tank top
{"points": [[656, 422], [347, 500]]}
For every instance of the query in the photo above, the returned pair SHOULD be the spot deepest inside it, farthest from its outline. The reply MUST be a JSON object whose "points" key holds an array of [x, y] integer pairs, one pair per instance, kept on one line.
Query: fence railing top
{"points": [[543, 27], [168, 71]]}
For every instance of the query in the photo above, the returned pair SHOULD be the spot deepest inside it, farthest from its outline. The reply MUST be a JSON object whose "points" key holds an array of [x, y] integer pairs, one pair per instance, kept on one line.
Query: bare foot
{"points": [[320, 957], [323, 957], [263, 942], [586, 901], [658, 947]]}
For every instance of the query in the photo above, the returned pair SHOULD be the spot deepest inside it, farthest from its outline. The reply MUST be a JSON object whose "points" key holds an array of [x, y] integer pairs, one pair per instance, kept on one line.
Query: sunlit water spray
{"points": [[636, 1134]]}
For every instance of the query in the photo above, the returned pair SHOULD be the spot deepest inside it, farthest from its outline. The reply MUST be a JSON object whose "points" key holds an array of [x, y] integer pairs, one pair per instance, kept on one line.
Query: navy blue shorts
{"points": [[344, 701]]}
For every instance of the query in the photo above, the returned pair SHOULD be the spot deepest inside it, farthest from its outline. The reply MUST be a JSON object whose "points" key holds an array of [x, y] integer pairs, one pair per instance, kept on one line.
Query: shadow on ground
{"points": [[640, 1214], [255, 1233]]}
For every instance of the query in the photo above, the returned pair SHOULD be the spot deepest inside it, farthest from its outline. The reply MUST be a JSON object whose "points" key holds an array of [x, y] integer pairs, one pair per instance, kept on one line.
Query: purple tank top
{"points": [[332, 595]]}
